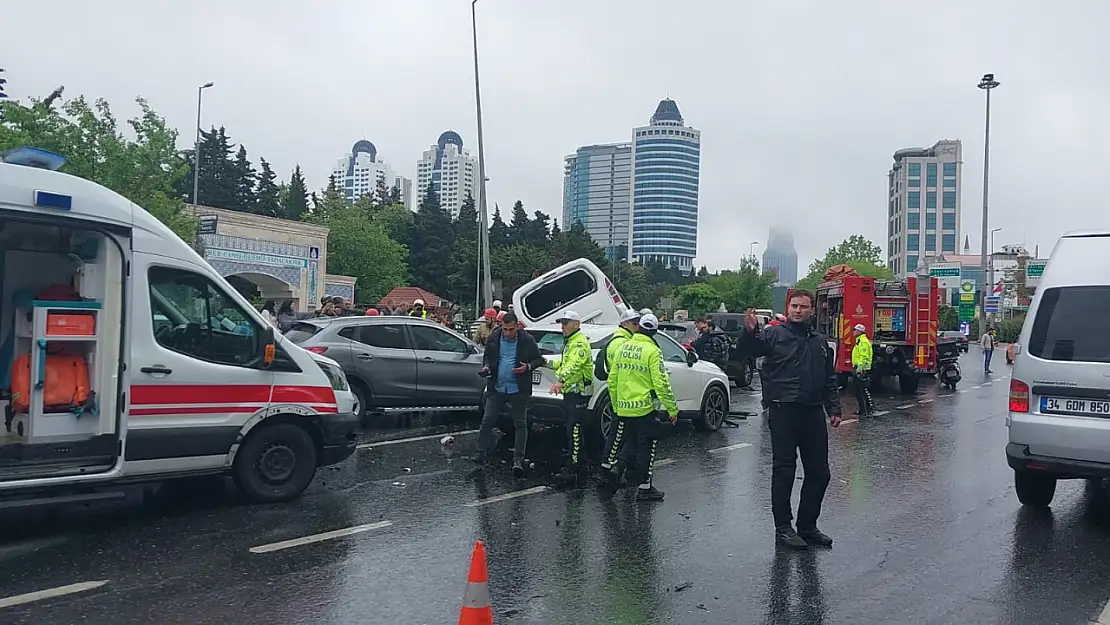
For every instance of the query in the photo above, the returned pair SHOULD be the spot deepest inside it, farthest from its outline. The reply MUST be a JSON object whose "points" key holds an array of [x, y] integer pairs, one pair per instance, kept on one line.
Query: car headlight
{"points": [[336, 377]]}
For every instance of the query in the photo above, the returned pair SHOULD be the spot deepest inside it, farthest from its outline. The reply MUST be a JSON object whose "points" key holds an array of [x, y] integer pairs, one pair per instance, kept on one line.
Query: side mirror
{"points": [[269, 349], [691, 358]]}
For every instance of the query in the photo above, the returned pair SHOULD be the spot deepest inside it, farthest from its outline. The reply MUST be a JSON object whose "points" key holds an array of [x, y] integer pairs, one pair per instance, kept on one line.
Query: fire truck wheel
{"points": [[907, 382]]}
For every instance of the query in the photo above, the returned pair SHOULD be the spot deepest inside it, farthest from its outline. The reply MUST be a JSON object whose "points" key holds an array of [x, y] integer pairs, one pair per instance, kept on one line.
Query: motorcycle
{"points": [[948, 363]]}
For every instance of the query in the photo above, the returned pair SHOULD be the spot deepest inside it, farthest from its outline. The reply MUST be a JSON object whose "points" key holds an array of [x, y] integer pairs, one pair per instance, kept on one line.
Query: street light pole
{"points": [[987, 83], [196, 148], [483, 237]]}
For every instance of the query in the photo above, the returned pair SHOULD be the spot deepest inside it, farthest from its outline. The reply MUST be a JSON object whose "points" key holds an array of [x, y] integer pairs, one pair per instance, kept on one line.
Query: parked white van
{"points": [[579, 285], [124, 356], [1059, 405]]}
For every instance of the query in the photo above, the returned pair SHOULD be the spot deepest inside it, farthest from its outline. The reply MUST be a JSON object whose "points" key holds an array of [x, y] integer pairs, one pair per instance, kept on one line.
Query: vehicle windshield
{"points": [[551, 342]]}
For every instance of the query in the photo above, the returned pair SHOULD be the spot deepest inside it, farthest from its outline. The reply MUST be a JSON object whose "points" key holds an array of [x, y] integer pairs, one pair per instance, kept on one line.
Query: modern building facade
{"points": [[923, 205], [597, 181], [451, 170], [780, 257], [358, 174], [666, 168]]}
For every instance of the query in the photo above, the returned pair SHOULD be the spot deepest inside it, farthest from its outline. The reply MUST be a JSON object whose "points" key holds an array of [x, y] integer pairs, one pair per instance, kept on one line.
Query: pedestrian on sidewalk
{"points": [[987, 342], [511, 355], [800, 383], [861, 370], [574, 373], [644, 398]]}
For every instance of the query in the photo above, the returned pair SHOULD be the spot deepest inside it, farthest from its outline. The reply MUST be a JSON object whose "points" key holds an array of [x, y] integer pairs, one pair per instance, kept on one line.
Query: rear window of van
{"points": [[1072, 324], [559, 294]]}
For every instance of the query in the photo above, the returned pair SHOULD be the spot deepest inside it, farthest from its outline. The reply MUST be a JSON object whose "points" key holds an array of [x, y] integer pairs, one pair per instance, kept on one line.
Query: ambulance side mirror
{"points": [[266, 342]]}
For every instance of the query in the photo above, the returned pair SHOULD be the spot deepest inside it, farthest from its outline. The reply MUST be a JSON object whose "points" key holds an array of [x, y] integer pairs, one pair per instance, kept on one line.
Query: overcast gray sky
{"points": [[801, 104]]}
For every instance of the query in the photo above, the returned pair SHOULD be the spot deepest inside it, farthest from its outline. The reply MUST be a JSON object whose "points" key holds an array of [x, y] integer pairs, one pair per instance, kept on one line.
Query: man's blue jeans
{"points": [[987, 353]]}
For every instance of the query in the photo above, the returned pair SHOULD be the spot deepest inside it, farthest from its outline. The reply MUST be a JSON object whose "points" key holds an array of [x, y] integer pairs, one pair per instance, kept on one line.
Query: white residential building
{"points": [[923, 205], [358, 174], [451, 171]]}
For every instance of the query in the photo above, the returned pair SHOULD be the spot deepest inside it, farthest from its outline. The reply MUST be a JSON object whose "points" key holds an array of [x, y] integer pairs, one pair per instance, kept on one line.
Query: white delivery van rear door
{"points": [[578, 285]]}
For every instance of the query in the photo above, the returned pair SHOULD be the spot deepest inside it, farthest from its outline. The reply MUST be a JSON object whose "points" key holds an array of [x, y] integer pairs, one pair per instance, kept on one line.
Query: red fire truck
{"points": [[900, 317]]}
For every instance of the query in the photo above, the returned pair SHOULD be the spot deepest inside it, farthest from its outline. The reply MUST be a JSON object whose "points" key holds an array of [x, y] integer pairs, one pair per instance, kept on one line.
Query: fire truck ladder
{"points": [[922, 321]]}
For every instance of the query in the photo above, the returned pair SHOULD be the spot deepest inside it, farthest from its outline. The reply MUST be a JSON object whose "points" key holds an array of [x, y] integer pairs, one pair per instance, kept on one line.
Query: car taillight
{"points": [[317, 350], [1019, 396]]}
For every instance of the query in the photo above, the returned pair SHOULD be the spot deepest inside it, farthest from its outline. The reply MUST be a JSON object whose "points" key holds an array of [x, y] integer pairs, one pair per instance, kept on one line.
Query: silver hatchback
{"points": [[398, 363]]}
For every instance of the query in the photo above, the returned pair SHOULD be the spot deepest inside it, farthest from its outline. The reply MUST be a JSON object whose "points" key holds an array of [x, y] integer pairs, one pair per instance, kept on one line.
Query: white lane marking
{"points": [[316, 538], [987, 383], [664, 462], [536, 490], [730, 447], [977, 386], [847, 421], [880, 413], [925, 401], [50, 593], [962, 390], [414, 439], [904, 407]]}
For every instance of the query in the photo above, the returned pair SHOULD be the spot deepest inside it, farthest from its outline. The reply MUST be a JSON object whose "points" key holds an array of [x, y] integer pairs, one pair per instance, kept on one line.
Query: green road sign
{"points": [[1035, 269], [944, 272]]}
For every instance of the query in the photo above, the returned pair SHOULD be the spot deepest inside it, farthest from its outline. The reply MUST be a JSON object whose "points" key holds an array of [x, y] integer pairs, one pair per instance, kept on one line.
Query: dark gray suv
{"points": [[398, 363]]}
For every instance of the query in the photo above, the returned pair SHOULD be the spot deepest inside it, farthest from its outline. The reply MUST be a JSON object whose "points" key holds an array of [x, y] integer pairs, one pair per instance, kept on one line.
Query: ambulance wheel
{"points": [[276, 463]]}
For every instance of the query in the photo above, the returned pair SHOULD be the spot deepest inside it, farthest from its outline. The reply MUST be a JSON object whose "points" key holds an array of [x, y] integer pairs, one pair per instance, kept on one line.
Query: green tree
{"points": [[518, 263], [267, 194], [498, 231], [857, 252], [518, 224], [219, 181], [632, 282], [296, 199], [359, 247], [948, 318], [432, 239], [146, 169], [464, 255], [699, 298], [245, 179], [538, 230], [747, 287]]}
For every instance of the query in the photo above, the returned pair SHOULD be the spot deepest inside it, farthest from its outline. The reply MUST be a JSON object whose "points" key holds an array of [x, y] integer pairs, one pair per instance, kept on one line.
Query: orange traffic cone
{"points": [[476, 608]]}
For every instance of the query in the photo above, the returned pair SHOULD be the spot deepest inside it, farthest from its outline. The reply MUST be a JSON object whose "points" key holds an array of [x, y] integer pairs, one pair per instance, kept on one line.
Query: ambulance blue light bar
{"points": [[33, 157], [46, 199]]}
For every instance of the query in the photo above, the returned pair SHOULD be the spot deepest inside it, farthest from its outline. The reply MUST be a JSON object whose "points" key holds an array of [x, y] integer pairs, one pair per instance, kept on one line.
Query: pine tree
{"points": [[464, 254], [296, 203], [538, 229], [382, 193], [267, 193], [498, 231], [244, 180], [518, 224], [431, 244]]}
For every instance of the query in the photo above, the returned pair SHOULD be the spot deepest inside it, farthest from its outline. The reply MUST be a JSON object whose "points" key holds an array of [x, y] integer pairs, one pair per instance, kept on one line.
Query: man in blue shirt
{"points": [[511, 355]]}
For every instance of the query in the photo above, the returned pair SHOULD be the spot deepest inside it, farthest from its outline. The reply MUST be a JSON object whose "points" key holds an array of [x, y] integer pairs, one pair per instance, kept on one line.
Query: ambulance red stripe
{"points": [[163, 394]]}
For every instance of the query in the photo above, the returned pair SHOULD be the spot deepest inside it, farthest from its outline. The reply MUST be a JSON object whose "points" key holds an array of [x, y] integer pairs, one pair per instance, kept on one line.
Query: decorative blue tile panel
{"points": [[346, 291]]}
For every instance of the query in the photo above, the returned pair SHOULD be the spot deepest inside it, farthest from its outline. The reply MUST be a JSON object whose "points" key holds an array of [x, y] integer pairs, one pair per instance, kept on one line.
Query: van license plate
{"points": [[1088, 407], [535, 377]]}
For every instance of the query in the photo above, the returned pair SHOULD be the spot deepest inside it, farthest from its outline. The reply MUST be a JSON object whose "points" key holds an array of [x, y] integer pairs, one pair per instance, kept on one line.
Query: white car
{"points": [[701, 388], [344, 396]]}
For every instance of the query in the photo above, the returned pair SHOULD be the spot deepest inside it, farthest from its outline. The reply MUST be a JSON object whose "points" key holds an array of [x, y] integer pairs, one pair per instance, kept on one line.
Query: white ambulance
{"points": [[124, 356], [578, 285]]}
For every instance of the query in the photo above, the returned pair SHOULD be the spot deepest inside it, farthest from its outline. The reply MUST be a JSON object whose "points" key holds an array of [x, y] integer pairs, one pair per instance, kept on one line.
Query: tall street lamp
{"points": [[483, 241], [987, 83], [196, 148], [751, 249]]}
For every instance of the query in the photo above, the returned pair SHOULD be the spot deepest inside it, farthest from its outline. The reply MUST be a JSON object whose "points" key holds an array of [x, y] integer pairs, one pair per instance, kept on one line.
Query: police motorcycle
{"points": [[948, 362]]}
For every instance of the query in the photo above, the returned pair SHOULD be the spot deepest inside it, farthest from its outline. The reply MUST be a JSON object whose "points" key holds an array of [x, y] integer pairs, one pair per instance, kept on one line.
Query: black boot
{"points": [[787, 537], [518, 468], [650, 493], [815, 537]]}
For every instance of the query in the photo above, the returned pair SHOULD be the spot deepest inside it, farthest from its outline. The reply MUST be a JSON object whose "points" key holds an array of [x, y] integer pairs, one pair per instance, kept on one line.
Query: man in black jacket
{"points": [[800, 386], [511, 355]]}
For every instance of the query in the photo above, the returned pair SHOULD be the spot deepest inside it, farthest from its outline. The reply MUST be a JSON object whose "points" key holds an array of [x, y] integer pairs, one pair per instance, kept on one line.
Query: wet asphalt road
{"points": [[921, 505]]}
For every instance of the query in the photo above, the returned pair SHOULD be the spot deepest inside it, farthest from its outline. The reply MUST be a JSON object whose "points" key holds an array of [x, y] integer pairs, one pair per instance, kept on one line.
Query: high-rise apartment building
{"points": [[666, 163], [780, 258], [597, 182], [358, 174], [923, 205], [451, 171]]}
